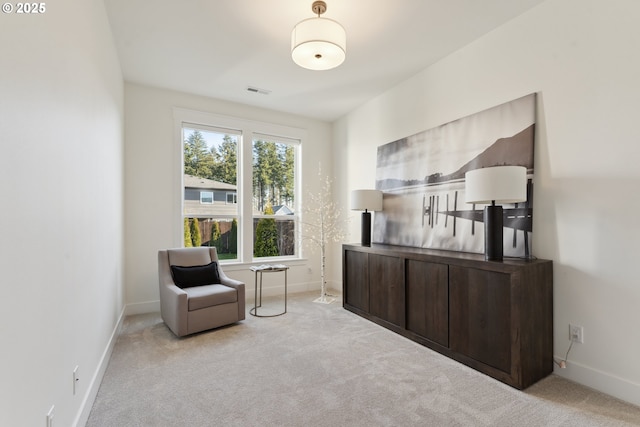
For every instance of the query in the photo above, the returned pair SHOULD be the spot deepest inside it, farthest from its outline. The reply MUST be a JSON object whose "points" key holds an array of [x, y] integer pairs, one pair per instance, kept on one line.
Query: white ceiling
{"points": [[218, 48]]}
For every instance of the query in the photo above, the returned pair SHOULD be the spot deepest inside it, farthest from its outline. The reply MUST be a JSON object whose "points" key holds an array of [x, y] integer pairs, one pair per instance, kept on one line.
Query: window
{"points": [[206, 197], [274, 196], [210, 172], [240, 186]]}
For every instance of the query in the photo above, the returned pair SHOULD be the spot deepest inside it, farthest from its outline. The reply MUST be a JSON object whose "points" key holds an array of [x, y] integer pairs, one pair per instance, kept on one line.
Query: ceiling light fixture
{"points": [[318, 43]]}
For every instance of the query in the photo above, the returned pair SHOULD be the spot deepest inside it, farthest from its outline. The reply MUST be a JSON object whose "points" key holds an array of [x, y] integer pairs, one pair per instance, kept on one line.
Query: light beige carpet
{"points": [[320, 365]]}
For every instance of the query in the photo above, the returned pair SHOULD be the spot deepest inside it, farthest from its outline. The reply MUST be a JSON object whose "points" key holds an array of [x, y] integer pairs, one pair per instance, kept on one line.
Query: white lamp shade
{"points": [[502, 184], [318, 44], [370, 200]]}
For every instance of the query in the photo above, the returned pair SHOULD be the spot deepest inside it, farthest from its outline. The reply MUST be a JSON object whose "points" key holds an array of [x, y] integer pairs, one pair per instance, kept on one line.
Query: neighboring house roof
{"points": [[282, 210], [191, 181]]}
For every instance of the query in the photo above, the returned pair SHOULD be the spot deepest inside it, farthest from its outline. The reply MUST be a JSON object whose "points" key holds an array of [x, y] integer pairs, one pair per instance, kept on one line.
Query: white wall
{"points": [[153, 196], [581, 57], [61, 222]]}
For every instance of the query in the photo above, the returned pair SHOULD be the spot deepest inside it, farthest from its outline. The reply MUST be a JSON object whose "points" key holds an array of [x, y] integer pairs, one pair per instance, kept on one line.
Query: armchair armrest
{"points": [[173, 300], [239, 287], [174, 308]]}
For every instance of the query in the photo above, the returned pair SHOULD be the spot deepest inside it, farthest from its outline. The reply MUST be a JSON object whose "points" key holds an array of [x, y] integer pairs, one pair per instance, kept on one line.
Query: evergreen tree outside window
{"points": [[216, 237], [266, 236], [196, 235], [187, 233]]}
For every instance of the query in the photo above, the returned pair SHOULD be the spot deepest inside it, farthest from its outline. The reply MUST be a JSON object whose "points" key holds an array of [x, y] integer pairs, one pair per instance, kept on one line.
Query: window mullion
{"points": [[246, 204]]}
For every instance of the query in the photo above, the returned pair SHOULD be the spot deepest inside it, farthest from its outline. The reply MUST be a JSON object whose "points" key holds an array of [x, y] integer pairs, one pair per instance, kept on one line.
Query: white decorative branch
{"points": [[323, 225]]}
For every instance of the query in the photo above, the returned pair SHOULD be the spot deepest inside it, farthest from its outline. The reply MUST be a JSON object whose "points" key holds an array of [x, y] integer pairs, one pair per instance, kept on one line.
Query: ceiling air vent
{"points": [[258, 90]]}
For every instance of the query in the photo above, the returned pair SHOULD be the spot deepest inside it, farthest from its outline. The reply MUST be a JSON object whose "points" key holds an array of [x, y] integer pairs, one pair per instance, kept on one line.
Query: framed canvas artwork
{"points": [[422, 180]]}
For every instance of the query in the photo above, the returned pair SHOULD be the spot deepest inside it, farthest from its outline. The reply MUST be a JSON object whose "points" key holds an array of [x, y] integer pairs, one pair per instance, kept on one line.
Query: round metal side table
{"points": [[257, 302]]}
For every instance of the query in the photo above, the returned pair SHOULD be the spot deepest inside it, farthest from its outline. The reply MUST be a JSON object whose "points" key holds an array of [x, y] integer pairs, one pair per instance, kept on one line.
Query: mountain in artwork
{"points": [[516, 150]]}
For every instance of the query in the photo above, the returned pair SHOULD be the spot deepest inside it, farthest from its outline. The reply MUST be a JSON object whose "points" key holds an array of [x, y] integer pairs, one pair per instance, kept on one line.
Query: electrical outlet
{"points": [[576, 333], [75, 379], [50, 416]]}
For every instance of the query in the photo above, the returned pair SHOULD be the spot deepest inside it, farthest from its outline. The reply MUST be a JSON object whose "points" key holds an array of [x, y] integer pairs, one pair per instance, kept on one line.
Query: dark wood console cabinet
{"points": [[496, 317]]}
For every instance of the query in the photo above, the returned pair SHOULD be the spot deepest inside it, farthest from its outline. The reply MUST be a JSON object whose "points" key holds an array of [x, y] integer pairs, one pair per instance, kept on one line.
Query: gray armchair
{"points": [[194, 304]]}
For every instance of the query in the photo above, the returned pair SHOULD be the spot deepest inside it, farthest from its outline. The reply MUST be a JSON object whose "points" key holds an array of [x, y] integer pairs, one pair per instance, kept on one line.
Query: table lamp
{"points": [[498, 184], [366, 200]]}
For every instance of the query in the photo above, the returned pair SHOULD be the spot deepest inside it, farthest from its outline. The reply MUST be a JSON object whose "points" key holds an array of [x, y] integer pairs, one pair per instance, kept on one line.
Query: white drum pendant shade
{"points": [[318, 44]]}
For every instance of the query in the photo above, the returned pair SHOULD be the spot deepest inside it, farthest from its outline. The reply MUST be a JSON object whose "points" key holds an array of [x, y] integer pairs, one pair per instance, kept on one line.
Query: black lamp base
{"points": [[366, 228], [493, 243]]}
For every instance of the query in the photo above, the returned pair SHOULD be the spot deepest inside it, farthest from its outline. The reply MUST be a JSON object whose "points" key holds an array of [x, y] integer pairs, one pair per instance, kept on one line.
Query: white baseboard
{"points": [[142, 307], [271, 291], [291, 289], [601, 381], [94, 386]]}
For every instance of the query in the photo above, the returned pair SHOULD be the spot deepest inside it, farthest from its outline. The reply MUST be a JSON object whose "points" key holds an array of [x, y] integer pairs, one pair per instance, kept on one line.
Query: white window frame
{"points": [[234, 197], [248, 130]]}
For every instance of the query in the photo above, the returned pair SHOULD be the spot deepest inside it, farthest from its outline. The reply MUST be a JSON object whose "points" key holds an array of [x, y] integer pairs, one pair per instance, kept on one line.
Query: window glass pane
{"points": [[274, 192], [206, 197], [210, 181]]}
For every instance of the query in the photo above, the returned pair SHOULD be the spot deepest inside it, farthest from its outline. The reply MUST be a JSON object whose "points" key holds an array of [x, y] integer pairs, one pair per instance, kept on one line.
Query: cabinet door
{"points": [[480, 322], [386, 288], [427, 287], [356, 279]]}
